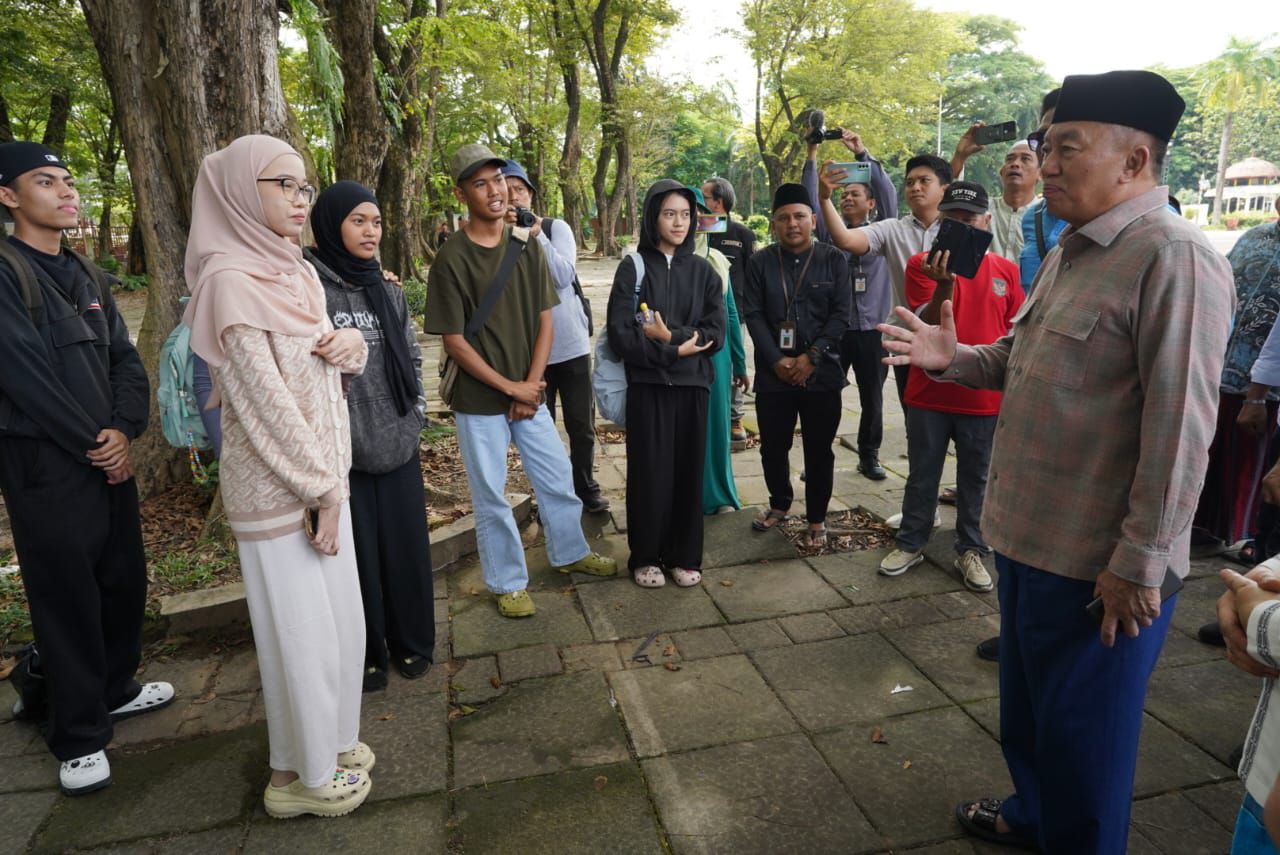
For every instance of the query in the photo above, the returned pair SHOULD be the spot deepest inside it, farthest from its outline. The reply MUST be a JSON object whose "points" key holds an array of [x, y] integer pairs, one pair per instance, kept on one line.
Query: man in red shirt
{"points": [[938, 413]]}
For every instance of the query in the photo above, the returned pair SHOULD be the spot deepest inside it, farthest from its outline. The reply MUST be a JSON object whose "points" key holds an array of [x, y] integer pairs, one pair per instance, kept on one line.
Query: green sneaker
{"points": [[517, 604], [592, 564]]}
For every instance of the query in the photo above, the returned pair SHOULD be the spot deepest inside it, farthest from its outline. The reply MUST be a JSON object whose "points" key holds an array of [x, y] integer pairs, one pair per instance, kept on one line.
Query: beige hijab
{"points": [[239, 270]]}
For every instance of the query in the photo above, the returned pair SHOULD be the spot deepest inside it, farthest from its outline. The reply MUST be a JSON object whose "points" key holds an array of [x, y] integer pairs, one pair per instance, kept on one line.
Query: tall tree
{"points": [[566, 56], [1239, 78], [363, 132], [195, 75]]}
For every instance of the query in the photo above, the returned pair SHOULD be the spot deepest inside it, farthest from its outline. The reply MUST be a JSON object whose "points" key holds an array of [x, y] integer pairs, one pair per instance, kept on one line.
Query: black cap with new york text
{"points": [[964, 196]]}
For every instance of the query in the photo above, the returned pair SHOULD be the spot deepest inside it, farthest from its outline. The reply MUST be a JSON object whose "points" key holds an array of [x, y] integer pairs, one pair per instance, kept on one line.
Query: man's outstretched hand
{"points": [[922, 345]]}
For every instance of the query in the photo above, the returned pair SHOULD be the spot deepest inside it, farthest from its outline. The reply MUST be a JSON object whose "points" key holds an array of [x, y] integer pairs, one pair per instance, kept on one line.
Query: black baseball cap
{"points": [[964, 196], [19, 158]]}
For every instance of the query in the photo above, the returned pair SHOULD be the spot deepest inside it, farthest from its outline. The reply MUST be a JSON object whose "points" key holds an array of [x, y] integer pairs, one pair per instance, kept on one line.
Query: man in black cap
{"points": [[73, 395], [938, 414], [1110, 381], [798, 306]]}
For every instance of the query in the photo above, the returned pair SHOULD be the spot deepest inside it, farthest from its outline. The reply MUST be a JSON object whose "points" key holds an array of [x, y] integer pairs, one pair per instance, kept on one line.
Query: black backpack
{"points": [[32, 296]]}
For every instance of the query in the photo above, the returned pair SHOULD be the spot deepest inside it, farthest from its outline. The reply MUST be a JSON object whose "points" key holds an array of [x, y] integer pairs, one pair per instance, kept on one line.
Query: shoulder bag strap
{"points": [[637, 261], [32, 295], [1040, 241], [516, 244]]}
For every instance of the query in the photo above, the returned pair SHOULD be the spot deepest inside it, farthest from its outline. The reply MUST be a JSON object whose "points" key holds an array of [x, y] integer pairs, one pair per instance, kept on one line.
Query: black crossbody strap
{"points": [[1040, 242], [519, 237], [32, 296]]}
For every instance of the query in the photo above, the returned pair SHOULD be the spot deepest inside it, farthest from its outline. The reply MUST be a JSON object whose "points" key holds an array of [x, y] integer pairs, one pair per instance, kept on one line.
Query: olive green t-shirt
{"points": [[459, 278]]}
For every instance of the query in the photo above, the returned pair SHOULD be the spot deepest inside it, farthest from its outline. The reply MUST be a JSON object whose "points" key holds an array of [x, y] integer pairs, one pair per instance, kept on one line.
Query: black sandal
{"points": [[768, 520], [982, 824]]}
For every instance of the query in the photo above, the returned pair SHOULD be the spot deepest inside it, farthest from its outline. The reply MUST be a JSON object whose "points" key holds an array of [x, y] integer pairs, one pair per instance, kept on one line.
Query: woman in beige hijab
{"points": [[257, 315]]}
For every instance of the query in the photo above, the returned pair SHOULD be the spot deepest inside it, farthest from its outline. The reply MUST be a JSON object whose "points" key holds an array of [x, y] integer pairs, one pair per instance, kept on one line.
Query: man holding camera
{"points": [[937, 414], [1110, 381], [568, 373], [1018, 179], [872, 293], [735, 243]]}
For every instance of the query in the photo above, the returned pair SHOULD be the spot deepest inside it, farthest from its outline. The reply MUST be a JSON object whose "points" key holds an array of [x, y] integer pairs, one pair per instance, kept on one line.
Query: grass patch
{"points": [[15, 619], [205, 565]]}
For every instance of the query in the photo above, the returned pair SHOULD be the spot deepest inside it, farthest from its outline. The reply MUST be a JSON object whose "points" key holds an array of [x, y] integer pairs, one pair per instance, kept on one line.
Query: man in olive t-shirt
{"points": [[498, 397]]}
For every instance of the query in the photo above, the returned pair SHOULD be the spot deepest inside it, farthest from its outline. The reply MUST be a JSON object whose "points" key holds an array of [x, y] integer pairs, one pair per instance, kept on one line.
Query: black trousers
{"points": [[393, 557], [819, 415], [666, 444], [79, 542], [571, 381], [862, 350]]}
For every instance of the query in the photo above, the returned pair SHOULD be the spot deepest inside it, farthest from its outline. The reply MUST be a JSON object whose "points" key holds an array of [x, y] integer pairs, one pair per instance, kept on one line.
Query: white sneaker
{"points": [[900, 561], [85, 774], [895, 521], [976, 577], [153, 696]]}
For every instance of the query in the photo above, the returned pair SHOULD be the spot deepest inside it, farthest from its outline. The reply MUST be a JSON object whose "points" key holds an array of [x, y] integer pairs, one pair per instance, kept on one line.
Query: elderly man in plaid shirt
{"points": [[1110, 380]]}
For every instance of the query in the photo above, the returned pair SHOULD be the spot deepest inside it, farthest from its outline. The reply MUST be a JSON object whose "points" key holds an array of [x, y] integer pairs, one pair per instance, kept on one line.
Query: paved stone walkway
{"points": [[745, 725]]}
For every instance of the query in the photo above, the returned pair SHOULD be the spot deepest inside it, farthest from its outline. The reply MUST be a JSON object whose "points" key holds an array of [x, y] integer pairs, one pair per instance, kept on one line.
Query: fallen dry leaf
{"points": [[906, 764], [205, 698], [473, 592], [466, 710], [388, 717], [727, 583], [599, 782], [671, 666], [495, 682], [669, 650], [877, 736]]}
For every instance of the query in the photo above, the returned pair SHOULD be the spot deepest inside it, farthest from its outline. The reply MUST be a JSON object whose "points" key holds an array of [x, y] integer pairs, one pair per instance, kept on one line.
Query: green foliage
{"points": [[415, 294], [132, 282], [194, 569], [1247, 221], [15, 619], [759, 224], [436, 431]]}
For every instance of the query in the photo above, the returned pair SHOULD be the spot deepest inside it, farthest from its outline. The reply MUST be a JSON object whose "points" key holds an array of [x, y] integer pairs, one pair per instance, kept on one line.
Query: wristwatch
{"points": [[1256, 402]]}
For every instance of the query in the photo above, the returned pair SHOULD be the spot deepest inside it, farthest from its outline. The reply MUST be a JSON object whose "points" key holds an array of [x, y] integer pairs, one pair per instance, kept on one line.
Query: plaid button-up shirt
{"points": [[1110, 380]]}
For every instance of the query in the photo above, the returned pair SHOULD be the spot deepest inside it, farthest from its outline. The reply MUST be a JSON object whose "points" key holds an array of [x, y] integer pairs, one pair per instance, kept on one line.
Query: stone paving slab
{"points": [[601, 809], [855, 575], [708, 702], [1212, 703], [769, 796], [523, 663], [1182, 649], [729, 540], [411, 745], [945, 653], [21, 814], [619, 608], [1220, 801], [217, 840], [1197, 602], [704, 643], [827, 684], [758, 635], [908, 787], [537, 727], [375, 829], [1174, 824], [187, 787], [29, 772], [755, 591], [479, 629], [611, 545]]}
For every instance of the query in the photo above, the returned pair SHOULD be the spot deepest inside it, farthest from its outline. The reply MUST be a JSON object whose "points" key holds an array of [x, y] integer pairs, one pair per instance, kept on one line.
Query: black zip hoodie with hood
{"points": [[685, 289]]}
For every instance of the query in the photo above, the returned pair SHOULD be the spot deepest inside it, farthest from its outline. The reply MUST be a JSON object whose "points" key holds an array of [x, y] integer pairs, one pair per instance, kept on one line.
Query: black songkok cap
{"points": [[964, 196], [18, 158], [791, 194], [1135, 99]]}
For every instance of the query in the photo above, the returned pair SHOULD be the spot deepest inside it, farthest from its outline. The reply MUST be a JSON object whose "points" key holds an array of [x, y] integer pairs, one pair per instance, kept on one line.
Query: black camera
{"points": [[815, 130], [525, 218]]}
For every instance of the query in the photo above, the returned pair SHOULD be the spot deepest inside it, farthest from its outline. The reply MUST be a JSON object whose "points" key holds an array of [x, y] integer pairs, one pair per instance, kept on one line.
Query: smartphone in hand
{"points": [[1168, 587], [856, 172], [1002, 132], [966, 244]]}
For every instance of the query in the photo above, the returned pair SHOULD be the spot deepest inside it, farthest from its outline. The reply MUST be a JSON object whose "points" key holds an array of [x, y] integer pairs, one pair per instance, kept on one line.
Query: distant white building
{"points": [[1251, 187]]}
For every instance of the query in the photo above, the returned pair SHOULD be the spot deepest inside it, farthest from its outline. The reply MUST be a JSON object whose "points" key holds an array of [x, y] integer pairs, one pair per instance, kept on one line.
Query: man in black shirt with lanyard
{"points": [[798, 306], [735, 243]]}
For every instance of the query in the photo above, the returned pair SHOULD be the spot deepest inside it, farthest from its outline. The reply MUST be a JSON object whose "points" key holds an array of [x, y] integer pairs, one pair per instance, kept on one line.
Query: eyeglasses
{"points": [[292, 190], [1035, 139]]}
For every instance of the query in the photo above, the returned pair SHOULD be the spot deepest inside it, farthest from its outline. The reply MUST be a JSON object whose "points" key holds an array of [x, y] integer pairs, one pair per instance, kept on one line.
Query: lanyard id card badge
{"points": [[787, 335], [860, 283]]}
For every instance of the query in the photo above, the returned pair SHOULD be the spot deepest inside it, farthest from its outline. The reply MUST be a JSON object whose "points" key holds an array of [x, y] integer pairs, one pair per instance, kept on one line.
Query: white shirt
{"points": [[1260, 763], [1006, 228], [898, 240], [567, 317]]}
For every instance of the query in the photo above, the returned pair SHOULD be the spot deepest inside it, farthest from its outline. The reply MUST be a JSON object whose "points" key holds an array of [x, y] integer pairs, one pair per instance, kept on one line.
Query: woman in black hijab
{"points": [[387, 415]]}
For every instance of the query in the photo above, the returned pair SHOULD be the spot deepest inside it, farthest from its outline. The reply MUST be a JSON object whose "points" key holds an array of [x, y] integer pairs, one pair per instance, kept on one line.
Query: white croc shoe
{"points": [[154, 696], [358, 759], [85, 774], [345, 791]]}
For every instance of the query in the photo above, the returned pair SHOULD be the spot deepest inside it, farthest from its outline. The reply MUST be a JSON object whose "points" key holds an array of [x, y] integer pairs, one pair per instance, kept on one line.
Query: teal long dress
{"points": [[718, 489]]}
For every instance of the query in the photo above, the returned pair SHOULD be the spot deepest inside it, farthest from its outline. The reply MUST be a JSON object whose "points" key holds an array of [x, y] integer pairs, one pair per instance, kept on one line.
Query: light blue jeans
{"points": [[483, 441]]}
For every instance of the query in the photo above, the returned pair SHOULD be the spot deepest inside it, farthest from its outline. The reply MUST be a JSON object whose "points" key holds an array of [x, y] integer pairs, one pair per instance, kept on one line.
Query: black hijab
{"points": [[333, 206]]}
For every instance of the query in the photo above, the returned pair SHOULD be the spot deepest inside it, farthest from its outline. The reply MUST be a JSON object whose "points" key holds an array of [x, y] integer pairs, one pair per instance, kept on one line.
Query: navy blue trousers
{"points": [[1070, 712]]}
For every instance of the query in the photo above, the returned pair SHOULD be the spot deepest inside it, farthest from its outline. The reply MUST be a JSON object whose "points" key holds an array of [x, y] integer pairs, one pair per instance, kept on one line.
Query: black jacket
{"points": [[687, 292], [736, 244], [822, 311], [75, 374]]}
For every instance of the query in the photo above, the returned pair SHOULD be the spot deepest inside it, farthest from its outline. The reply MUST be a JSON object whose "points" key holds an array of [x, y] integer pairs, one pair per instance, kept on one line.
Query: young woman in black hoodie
{"points": [[393, 552], [669, 376]]}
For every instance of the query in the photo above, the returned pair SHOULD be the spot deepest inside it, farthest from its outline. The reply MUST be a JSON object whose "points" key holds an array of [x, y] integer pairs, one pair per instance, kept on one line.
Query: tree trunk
{"points": [[108, 159], [192, 77], [1224, 149], [613, 137], [136, 258], [364, 133], [571, 151], [6, 128], [55, 130]]}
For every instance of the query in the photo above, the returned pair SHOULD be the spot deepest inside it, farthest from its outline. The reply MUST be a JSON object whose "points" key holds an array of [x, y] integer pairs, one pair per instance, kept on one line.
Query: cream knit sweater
{"points": [[286, 434]]}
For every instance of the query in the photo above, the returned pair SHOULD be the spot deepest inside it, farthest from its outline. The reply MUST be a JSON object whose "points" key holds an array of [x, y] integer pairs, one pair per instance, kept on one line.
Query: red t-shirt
{"points": [[984, 307]]}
